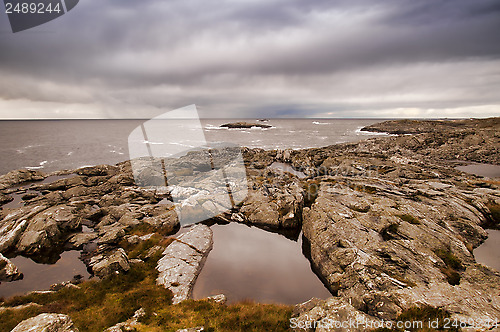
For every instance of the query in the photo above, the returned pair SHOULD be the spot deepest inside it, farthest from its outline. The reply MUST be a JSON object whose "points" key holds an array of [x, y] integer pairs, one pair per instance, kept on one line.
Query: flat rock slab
{"points": [[183, 260]]}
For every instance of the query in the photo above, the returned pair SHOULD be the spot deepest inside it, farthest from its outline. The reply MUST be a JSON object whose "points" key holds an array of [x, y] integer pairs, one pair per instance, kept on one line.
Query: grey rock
{"points": [[46, 323], [8, 271], [329, 315], [46, 228], [109, 262], [129, 325], [192, 329], [219, 298], [275, 203], [78, 240], [111, 233], [183, 260], [384, 260]]}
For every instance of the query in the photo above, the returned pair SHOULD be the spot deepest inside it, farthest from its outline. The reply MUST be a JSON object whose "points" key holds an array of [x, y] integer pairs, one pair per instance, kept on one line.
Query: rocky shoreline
{"points": [[388, 223]]}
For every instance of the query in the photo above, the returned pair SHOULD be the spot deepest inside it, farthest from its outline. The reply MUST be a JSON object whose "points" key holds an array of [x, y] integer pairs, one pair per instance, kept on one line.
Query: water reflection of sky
{"points": [[249, 263], [41, 276], [488, 253]]}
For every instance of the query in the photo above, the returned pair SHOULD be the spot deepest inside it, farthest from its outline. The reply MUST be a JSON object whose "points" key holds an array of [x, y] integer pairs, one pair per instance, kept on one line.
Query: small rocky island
{"points": [[244, 125], [389, 225]]}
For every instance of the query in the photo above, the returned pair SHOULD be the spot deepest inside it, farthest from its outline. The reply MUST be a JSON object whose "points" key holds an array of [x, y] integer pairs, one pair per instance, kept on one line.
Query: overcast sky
{"points": [[256, 58]]}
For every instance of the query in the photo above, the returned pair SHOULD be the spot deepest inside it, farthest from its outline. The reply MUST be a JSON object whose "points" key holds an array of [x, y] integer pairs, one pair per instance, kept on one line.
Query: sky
{"points": [[256, 58]]}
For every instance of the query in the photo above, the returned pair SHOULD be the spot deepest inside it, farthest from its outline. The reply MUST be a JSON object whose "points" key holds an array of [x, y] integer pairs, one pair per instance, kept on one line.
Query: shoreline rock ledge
{"points": [[183, 261]]}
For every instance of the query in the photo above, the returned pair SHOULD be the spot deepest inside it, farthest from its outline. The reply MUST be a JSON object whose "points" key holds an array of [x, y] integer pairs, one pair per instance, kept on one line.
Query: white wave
{"points": [[320, 123], [153, 143], [360, 132], [40, 166], [211, 127]]}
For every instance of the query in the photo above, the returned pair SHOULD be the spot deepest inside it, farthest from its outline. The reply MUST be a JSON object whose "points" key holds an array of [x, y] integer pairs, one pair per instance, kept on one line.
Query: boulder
{"points": [[8, 271], [78, 240], [275, 204], [46, 323], [14, 224], [183, 260], [111, 233], [46, 228], [109, 262], [333, 314]]}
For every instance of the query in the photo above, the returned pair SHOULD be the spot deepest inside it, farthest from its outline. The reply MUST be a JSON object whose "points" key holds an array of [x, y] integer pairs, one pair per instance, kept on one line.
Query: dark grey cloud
{"points": [[256, 55]]}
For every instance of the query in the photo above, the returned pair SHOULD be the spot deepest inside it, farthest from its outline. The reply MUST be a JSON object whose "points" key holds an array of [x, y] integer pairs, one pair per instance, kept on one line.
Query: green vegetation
{"points": [[453, 265], [311, 189], [425, 315], [409, 218], [97, 305]]}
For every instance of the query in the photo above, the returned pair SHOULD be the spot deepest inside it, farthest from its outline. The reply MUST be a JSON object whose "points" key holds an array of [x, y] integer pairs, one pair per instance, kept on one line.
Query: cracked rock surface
{"points": [[183, 260]]}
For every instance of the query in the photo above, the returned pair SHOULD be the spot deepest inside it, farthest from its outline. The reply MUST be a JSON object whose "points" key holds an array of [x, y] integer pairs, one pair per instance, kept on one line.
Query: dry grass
{"points": [[97, 305]]}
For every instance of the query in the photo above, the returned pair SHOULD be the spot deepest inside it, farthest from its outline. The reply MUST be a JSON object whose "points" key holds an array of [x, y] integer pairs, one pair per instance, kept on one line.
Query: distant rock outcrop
{"points": [[241, 125]]}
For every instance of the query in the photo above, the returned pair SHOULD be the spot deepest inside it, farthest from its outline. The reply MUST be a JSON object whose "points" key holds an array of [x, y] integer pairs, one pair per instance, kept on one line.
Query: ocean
{"points": [[50, 145]]}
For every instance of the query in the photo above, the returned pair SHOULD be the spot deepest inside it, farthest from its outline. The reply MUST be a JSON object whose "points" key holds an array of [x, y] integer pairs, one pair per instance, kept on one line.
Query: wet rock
{"points": [[78, 240], [109, 262], [183, 260], [8, 271], [13, 225], [19, 176], [47, 228], [47, 322]]}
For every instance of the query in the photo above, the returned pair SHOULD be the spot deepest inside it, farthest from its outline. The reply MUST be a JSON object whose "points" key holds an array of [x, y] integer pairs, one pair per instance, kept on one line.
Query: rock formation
{"points": [[243, 125], [388, 223], [47, 323], [183, 260]]}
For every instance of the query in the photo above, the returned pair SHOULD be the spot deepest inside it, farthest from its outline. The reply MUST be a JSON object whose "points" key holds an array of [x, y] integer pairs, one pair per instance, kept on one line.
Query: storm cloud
{"points": [[288, 58]]}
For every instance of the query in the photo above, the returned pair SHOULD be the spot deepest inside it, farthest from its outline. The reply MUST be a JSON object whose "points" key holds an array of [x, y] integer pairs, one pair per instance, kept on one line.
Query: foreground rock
{"points": [[242, 125], [8, 271], [47, 323], [183, 260], [328, 315]]}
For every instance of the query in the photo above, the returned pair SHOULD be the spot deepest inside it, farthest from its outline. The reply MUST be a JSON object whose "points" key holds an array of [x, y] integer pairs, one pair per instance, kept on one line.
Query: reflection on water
{"points": [[250, 263], [488, 253], [486, 170], [41, 276]]}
